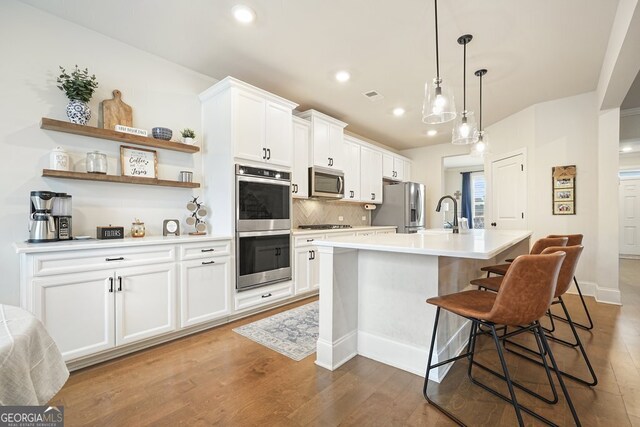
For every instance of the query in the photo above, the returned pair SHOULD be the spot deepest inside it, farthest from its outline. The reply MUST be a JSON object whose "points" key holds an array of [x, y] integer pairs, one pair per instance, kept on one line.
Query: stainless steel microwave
{"points": [[325, 182]]}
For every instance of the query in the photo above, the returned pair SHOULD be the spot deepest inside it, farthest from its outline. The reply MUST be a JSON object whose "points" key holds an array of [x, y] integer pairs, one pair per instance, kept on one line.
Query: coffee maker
{"points": [[61, 213], [42, 227]]}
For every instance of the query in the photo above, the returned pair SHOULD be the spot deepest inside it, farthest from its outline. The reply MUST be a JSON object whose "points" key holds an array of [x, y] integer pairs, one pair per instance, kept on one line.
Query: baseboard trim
{"points": [[601, 295], [333, 355], [629, 256]]}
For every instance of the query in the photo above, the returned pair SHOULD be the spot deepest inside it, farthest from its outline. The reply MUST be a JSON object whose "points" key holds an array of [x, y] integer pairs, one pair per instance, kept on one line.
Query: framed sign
{"points": [[564, 190], [138, 162]]}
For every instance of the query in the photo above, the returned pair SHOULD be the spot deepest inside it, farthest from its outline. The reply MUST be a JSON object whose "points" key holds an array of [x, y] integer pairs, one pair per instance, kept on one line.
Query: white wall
{"points": [[555, 133], [630, 127], [161, 93]]}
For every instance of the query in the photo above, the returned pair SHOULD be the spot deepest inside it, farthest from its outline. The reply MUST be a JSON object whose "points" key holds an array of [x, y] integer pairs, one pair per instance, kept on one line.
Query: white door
{"points": [[336, 138], [300, 167], [314, 269], [352, 171], [249, 127], [398, 168], [204, 290], [278, 140], [145, 302], [371, 175], [301, 267], [629, 207], [508, 193], [77, 311], [387, 166], [321, 143]]}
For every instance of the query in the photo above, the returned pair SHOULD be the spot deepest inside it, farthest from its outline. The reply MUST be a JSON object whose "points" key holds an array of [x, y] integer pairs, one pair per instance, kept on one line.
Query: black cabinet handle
{"points": [[310, 255], [115, 259], [268, 153], [493, 224], [119, 283], [110, 284], [208, 262], [373, 196], [310, 240], [266, 295], [207, 250], [264, 154], [352, 194], [313, 254]]}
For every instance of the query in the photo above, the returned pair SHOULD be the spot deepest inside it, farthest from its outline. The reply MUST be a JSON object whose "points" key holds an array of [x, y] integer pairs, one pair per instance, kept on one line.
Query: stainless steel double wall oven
{"points": [[263, 226]]}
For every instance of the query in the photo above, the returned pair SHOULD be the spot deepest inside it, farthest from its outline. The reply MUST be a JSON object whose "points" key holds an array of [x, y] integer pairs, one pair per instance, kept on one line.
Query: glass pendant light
{"points": [[481, 139], [465, 125], [438, 106]]}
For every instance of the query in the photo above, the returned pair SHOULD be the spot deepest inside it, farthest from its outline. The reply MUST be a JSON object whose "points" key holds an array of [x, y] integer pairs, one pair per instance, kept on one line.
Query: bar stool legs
{"points": [[584, 306], [469, 354]]}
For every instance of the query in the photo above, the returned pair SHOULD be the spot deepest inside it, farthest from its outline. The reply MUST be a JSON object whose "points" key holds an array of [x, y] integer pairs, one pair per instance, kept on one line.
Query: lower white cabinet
{"points": [[204, 290], [93, 311], [307, 273]]}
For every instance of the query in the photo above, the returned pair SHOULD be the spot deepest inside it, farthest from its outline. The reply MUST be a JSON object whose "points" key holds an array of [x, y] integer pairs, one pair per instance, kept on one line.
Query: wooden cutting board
{"points": [[116, 112]]}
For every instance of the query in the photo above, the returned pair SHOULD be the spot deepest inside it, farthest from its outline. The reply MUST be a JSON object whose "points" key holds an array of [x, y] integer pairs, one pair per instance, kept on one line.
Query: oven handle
{"points": [[264, 233], [273, 181]]}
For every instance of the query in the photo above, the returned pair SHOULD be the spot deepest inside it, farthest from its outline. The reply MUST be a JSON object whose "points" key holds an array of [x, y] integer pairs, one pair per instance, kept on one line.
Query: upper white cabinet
{"points": [[300, 168], [326, 148], [393, 167], [371, 175], [352, 171], [256, 125]]}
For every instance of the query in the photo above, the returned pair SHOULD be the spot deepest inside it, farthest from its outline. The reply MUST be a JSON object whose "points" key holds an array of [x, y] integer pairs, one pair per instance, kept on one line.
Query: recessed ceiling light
{"points": [[243, 14], [432, 132], [343, 76], [398, 111], [626, 149]]}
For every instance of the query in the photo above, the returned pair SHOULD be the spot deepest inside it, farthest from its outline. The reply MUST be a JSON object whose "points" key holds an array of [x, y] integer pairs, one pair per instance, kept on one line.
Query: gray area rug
{"points": [[293, 333]]}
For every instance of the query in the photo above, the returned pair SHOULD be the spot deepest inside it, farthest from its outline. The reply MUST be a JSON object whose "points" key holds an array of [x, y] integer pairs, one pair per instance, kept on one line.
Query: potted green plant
{"points": [[79, 87], [188, 136]]}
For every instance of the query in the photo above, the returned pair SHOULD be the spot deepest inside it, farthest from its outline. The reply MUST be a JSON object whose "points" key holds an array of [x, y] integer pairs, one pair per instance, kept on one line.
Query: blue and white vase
{"points": [[78, 112]]}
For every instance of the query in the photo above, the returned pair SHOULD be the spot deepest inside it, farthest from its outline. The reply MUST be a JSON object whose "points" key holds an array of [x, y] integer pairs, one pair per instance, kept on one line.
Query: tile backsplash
{"points": [[328, 212]]}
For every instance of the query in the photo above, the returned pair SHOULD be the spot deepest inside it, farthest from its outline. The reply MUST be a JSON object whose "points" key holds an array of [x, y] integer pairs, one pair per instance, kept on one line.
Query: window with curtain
{"points": [[478, 191]]}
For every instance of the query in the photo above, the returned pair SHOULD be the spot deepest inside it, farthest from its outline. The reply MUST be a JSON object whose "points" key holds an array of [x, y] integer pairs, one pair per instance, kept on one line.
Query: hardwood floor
{"points": [[220, 377]]}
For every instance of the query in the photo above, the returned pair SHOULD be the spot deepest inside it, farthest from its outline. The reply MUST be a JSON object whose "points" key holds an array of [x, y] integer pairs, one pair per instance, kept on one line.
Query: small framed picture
{"points": [[138, 162], [563, 208], [563, 195], [564, 190]]}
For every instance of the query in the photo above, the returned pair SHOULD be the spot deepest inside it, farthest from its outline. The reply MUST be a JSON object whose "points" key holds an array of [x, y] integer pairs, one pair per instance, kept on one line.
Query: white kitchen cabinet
{"points": [[371, 175], [300, 168], [249, 126], [278, 139], [89, 312], [393, 167], [204, 290], [407, 170], [326, 145], [145, 302], [352, 171], [302, 277]]}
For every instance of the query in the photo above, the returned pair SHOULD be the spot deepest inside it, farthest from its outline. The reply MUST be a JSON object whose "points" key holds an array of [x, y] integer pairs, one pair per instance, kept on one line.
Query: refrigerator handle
{"points": [[420, 208]]}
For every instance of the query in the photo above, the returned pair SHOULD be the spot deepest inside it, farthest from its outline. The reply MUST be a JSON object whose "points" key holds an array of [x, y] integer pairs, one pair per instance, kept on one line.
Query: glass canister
{"points": [[96, 162], [137, 229]]}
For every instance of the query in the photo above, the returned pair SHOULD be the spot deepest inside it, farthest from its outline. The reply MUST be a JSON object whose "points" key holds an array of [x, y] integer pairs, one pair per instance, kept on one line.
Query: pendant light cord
{"points": [[437, 52], [481, 102], [464, 79]]}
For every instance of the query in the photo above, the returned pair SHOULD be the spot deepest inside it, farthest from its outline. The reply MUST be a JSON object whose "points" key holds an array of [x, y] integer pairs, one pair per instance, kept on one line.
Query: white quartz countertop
{"points": [[71, 245], [477, 244], [304, 231]]}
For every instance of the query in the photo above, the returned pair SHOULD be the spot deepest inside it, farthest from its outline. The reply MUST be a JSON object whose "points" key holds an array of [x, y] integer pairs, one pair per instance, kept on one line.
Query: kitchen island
{"points": [[373, 291]]}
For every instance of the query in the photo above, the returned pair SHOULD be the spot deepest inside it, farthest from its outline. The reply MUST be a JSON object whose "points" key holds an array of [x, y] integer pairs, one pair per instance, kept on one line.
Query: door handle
{"points": [[115, 259], [268, 153], [208, 262], [493, 224], [119, 283], [110, 284]]}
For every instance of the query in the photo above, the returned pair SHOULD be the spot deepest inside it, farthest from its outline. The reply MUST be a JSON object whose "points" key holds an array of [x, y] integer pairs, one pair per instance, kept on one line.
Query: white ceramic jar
{"points": [[59, 160]]}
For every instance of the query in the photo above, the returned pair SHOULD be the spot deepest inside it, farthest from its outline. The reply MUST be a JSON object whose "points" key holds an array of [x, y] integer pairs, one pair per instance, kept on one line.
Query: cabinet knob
{"points": [[493, 224]]}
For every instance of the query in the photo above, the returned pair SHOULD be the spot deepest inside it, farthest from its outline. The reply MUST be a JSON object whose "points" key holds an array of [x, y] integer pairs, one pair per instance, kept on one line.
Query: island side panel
{"points": [[394, 321], [338, 316]]}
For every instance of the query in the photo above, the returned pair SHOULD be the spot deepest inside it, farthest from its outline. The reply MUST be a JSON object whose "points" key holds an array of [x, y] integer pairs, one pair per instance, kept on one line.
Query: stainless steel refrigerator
{"points": [[402, 206]]}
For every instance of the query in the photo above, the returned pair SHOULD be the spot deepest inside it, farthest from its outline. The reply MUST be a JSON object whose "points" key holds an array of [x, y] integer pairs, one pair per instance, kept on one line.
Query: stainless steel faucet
{"points": [[455, 212]]}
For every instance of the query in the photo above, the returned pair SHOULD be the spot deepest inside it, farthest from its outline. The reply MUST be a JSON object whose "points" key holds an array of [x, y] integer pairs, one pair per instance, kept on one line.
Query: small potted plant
{"points": [[188, 136], [79, 87]]}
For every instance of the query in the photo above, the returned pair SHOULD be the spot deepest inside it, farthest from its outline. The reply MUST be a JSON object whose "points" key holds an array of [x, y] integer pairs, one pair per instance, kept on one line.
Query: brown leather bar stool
{"points": [[537, 248], [567, 272], [525, 296], [574, 239]]}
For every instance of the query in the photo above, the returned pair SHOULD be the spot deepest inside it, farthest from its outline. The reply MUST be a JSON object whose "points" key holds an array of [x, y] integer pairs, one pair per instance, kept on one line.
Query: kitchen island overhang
{"points": [[373, 291]]}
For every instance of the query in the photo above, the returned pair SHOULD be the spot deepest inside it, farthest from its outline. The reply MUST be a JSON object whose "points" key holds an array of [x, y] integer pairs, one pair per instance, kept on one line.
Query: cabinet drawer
{"points": [[89, 260], [262, 296], [204, 249], [307, 240]]}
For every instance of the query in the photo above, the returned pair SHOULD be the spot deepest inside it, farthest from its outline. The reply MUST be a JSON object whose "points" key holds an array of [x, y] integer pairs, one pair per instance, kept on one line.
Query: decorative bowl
{"points": [[162, 133]]}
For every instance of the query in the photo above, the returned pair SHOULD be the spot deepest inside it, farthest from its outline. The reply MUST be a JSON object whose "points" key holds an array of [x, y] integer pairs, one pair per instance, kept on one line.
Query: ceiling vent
{"points": [[372, 95]]}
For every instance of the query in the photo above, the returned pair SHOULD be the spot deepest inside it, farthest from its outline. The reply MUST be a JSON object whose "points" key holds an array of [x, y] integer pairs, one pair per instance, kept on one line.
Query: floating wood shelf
{"points": [[116, 178], [112, 135]]}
